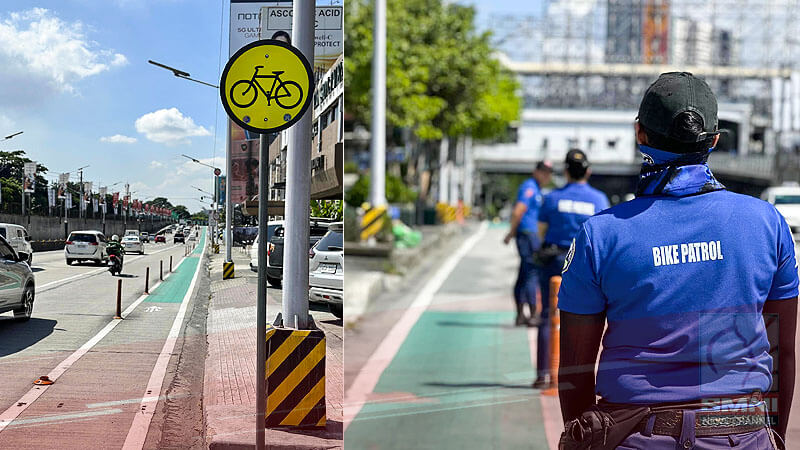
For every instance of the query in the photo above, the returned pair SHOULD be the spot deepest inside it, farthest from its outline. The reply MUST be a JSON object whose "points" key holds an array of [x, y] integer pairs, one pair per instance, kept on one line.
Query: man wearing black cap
{"points": [[563, 212], [681, 275], [524, 229]]}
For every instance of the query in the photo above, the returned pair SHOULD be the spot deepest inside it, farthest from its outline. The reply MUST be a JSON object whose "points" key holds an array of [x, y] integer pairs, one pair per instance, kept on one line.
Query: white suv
{"points": [[86, 246], [19, 239], [786, 199], [326, 267]]}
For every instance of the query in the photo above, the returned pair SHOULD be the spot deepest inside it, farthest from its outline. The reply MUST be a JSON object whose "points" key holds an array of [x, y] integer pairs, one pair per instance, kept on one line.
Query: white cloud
{"points": [[42, 54], [169, 126], [118, 139], [156, 165]]}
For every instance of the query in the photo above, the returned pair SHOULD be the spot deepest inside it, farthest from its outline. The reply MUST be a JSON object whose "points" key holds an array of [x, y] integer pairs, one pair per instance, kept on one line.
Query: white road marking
{"points": [[141, 422], [10, 414], [370, 373], [153, 308]]}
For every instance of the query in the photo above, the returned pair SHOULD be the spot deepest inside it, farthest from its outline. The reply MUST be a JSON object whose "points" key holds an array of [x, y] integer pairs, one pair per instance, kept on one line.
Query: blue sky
{"points": [[77, 81]]}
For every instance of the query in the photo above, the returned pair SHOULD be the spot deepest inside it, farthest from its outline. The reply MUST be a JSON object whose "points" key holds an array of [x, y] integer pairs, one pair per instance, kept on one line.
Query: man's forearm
{"points": [[580, 342], [786, 374], [576, 393]]}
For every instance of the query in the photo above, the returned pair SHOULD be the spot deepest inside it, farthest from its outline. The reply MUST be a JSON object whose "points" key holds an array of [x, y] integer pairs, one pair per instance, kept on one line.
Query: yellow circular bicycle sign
{"points": [[266, 86]]}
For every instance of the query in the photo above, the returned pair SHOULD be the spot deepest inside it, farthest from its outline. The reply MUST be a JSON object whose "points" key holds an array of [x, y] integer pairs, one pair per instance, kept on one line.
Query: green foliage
{"points": [[396, 191], [442, 79], [11, 173], [160, 202], [331, 209], [182, 212]]}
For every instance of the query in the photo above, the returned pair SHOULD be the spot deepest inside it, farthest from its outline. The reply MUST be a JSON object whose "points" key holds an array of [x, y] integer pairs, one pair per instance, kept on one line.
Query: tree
{"points": [[331, 209], [160, 202], [11, 173], [181, 211], [442, 79]]}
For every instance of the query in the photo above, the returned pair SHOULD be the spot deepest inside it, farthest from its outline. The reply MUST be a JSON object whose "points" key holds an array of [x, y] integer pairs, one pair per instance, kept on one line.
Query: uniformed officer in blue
{"points": [[562, 213], [524, 227], [682, 275]]}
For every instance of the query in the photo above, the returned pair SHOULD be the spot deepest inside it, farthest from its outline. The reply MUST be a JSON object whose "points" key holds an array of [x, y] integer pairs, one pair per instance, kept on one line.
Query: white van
{"points": [[18, 237]]}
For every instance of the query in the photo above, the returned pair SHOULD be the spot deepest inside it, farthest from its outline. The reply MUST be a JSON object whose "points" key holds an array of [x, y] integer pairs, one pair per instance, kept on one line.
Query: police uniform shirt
{"points": [[682, 281], [564, 210], [531, 195]]}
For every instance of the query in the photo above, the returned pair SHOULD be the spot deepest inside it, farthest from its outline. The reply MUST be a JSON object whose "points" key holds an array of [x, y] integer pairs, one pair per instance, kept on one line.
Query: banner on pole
{"points": [[51, 197], [29, 177], [63, 179]]}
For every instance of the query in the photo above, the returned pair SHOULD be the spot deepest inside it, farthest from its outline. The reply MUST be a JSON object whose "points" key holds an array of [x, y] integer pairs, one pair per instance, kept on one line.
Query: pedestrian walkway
{"points": [[461, 377], [230, 390]]}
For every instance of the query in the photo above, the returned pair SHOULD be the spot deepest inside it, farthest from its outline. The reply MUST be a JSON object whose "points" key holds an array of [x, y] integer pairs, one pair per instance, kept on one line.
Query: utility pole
{"points": [[298, 187], [228, 204], [377, 188], [80, 200]]}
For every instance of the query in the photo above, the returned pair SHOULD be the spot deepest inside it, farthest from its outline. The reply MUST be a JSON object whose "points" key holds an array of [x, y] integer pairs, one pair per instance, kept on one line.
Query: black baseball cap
{"points": [[672, 94], [576, 158], [545, 165]]}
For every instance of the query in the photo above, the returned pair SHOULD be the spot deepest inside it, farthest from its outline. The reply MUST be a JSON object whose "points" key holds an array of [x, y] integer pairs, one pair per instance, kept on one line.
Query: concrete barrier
{"points": [[47, 232]]}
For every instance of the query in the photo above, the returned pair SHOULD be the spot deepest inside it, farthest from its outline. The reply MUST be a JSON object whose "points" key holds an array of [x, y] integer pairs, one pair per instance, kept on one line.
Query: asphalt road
{"points": [[94, 402], [437, 363]]}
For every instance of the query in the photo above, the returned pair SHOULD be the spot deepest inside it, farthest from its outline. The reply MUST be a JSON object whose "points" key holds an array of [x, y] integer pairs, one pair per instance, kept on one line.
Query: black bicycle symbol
{"points": [[279, 89]]}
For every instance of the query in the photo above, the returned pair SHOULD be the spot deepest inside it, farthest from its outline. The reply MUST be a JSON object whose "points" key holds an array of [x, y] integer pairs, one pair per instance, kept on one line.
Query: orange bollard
{"points": [[555, 329]]}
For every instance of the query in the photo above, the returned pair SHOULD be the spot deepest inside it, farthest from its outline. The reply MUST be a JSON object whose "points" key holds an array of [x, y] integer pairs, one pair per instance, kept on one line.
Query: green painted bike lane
{"points": [[460, 380], [174, 287]]}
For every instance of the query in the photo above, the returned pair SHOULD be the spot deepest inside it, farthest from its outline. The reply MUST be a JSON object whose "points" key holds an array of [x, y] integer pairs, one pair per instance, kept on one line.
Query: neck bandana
{"points": [[673, 174]]}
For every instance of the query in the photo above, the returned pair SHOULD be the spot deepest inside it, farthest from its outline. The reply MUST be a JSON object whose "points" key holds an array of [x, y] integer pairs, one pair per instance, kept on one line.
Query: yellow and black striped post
{"points": [[372, 222], [227, 270], [295, 378]]}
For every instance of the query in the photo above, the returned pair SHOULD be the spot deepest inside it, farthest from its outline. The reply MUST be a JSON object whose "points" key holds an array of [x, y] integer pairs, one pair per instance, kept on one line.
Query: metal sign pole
{"points": [[298, 187], [228, 204], [261, 309], [377, 191]]}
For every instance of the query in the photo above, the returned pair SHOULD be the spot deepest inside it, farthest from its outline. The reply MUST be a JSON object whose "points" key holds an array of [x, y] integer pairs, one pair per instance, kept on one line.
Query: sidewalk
{"points": [[368, 277], [229, 390]]}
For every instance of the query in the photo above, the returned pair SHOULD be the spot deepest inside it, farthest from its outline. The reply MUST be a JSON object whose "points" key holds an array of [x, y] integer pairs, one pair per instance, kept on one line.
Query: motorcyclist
{"points": [[115, 248]]}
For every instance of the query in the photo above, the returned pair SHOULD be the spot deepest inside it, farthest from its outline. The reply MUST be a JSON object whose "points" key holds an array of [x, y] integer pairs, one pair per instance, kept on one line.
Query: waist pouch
{"points": [[602, 428], [605, 425], [547, 254]]}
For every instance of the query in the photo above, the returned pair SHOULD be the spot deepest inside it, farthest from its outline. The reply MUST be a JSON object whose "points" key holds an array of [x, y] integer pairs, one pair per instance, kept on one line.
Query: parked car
{"points": [[161, 238], [275, 259], [178, 237], [132, 244], [271, 227], [17, 280], [786, 199], [326, 269], [144, 236], [19, 239], [87, 245]]}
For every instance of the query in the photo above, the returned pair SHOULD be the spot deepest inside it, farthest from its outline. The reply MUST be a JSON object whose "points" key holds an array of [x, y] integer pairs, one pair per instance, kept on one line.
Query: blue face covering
{"points": [[675, 174]]}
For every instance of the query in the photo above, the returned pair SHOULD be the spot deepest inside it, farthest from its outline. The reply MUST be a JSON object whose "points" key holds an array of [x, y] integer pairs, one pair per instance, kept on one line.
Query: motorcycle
{"points": [[114, 264]]}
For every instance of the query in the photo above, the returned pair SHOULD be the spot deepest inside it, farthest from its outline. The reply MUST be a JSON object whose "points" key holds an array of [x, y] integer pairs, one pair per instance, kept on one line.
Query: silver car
{"points": [[326, 267], [17, 287]]}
